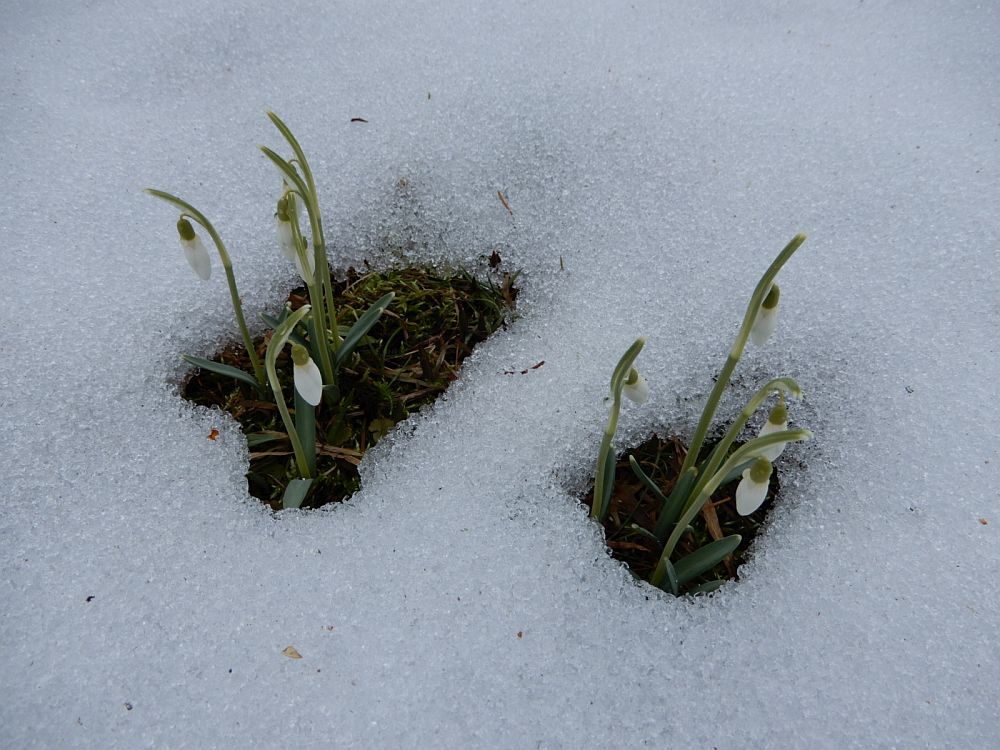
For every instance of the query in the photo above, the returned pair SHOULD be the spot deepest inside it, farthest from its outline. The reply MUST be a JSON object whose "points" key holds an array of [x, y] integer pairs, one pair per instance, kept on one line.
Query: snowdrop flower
{"points": [[777, 421], [767, 317], [286, 240], [194, 250], [306, 375], [635, 388], [752, 489]]}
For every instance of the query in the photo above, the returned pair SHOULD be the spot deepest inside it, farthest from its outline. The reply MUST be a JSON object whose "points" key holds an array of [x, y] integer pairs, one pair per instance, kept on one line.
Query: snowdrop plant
{"points": [[698, 479], [319, 346]]}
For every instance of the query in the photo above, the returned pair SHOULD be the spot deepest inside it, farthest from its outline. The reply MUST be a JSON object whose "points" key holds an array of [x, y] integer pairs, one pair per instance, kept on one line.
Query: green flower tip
{"points": [[767, 317], [752, 489], [635, 388], [300, 355], [778, 415], [761, 470], [771, 300], [185, 230]]}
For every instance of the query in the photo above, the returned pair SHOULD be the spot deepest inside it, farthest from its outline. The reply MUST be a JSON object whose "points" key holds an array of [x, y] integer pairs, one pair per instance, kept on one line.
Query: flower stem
{"points": [[274, 347], [604, 475], [191, 212], [737, 350]]}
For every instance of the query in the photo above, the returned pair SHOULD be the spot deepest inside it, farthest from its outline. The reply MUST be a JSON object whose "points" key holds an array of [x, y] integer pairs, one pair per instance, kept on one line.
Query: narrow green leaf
{"points": [[707, 587], [271, 320], [275, 322], [220, 369], [671, 510], [665, 577], [291, 176], [706, 558], [255, 439], [650, 484], [360, 328], [293, 142], [610, 462], [305, 426], [295, 493]]}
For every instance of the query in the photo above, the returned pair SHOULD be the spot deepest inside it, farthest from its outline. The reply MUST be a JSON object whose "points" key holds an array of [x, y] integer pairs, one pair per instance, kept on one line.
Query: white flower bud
{"points": [[752, 489], [286, 240], [767, 317], [306, 376], [777, 421], [635, 388], [195, 252]]}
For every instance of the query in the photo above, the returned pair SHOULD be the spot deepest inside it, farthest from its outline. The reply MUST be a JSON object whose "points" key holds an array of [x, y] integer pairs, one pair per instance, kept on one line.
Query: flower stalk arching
{"points": [[316, 226], [322, 297], [756, 300], [604, 477], [190, 212], [274, 347], [715, 459], [744, 454]]}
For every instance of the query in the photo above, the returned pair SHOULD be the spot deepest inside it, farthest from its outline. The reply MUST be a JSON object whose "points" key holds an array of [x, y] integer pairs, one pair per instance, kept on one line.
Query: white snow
{"points": [[665, 151]]}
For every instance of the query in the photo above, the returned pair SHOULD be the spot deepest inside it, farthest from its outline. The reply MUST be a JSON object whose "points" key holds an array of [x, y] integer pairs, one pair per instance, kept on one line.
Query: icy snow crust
{"points": [[666, 152]]}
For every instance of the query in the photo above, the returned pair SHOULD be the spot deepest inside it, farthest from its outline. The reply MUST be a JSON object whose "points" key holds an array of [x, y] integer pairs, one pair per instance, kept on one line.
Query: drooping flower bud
{"points": [[635, 388], [195, 252], [306, 375], [752, 489], [777, 421], [286, 240], [286, 237], [767, 317]]}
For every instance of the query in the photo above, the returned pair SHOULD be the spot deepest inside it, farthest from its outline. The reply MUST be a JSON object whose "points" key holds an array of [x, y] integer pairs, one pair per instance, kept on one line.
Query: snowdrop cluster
{"points": [[319, 345], [696, 482]]}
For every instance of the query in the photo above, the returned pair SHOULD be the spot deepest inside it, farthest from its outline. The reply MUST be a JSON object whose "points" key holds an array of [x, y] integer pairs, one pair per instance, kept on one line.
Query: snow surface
{"points": [[665, 151]]}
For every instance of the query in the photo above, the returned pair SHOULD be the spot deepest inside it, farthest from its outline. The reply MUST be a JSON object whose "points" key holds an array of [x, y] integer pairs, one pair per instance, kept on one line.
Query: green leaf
{"points": [[650, 484], [610, 462], [360, 328], [667, 580], [295, 493], [255, 439], [672, 509], [706, 558], [274, 322], [220, 369], [271, 320], [305, 426], [291, 176], [707, 587]]}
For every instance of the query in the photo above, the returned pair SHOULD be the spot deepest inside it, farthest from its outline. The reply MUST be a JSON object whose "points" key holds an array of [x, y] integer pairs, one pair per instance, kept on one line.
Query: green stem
{"points": [[274, 347], [315, 285], [751, 450], [319, 243], [737, 350], [190, 211], [324, 299], [710, 467], [597, 508]]}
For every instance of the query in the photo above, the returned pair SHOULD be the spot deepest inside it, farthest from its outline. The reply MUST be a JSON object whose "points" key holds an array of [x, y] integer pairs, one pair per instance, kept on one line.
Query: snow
{"points": [[664, 152]]}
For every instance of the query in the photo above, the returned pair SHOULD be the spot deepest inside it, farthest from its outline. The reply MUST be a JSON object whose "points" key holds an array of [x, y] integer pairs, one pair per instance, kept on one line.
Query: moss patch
{"points": [[407, 360]]}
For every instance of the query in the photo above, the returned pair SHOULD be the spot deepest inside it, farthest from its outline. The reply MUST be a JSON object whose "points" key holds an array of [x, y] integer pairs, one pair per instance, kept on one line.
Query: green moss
{"points": [[408, 359]]}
